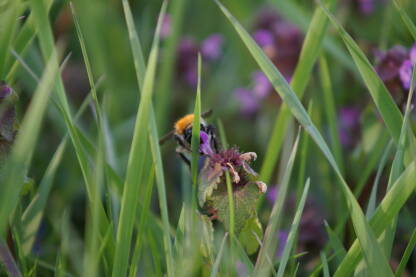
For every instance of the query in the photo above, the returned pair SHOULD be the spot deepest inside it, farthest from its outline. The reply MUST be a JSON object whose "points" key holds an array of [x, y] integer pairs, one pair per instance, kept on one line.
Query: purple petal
{"points": [[211, 47], [4, 90], [406, 73], [282, 238], [205, 146], [263, 38], [412, 54], [271, 194], [262, 86], [366, 7], [166, 26]]}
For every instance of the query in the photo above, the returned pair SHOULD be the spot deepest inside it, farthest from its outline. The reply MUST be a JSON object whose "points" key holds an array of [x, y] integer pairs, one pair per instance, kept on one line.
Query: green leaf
{"points": [[8, 19]]}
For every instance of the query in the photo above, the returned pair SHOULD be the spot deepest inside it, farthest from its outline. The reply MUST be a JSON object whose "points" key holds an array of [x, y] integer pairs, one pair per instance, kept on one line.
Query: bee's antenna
{"points": [[166, 137], [207, 113]]}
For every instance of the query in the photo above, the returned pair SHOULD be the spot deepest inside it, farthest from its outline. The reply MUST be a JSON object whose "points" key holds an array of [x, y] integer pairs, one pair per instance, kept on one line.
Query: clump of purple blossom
{"points": [[394, 67], [281, 42], [349, 125]]}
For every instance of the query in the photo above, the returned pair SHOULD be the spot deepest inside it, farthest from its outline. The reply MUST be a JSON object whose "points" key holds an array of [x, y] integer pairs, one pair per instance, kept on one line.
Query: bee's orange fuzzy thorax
{"points": [[183, 123]]}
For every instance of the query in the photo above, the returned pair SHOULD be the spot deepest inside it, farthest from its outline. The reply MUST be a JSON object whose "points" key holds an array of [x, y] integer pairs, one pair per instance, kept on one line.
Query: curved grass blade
{"points": [[406, 19], [406, 256], [135, 170], [366, 237], [384, 214], [216, 266], [309, 53], [14, 172], [269, 247], [8, 20], [325, 265], [293, 231]]}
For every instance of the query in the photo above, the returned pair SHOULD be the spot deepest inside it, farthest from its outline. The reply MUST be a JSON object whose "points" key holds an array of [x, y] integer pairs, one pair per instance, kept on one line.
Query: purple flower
{"points": [[166, 27], [349, 125], [282, 238], [205, 145], [262, 86], [187, 57], [405, 72], [242, 270], [271, 194], [211, 47], [249, 103], [263, 38], [366, 7], [4, 90]]}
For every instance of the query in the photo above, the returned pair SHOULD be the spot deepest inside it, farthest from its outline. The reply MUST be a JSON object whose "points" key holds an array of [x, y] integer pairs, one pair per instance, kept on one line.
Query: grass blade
{"points": [[216, 266], [19, 160], [406, 19], [8, 21], [293, 231], [325, 265], [262, 266], [406, 256]]}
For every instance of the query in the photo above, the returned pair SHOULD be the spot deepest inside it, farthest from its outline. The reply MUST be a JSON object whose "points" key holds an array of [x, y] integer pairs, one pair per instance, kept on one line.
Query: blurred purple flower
{"points": [[263, 38], [4, 90], [166, 27], [7, 120], [388, 66], [312, 234], [282, 238], [205, 145], [187, 56], [187, 61], [405, 72], [349, 125], [211, 47], [242, 270], [249, 103], [366, 7], [262, 87], [271, 194]]}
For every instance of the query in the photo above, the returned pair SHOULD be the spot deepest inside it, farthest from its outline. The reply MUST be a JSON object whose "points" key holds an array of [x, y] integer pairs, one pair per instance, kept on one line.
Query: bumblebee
{"points": [[182, 133]]}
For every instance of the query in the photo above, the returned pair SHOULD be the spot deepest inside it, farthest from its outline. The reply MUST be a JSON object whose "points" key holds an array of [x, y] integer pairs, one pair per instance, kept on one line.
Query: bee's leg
{"points": [[185, 159], [212, 132]]}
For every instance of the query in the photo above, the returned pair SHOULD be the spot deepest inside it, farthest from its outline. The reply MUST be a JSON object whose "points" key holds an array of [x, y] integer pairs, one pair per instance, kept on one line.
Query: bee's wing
{"points": [[208, 180]]}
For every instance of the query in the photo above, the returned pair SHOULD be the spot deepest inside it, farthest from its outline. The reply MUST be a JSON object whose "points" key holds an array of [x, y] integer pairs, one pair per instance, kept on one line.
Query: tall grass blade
{"points": [[135, 168], [8, 21], [262, 266], [406, 255], [293, 231], [153, 135]]}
